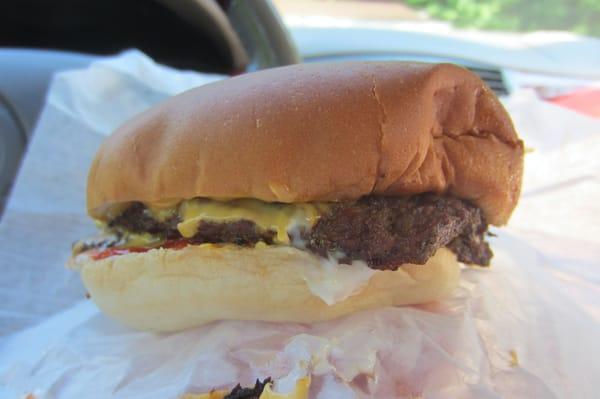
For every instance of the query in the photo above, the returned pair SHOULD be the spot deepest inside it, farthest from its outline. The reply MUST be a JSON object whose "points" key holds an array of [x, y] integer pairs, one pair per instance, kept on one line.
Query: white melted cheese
{"points": [[334, 282]]}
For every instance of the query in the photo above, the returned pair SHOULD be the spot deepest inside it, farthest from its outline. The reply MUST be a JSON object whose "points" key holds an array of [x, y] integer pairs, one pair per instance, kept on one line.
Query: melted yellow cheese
{"points": [[162, 214], [267, 216], [141, 240], [163, 210], [279, 217], [300, 392], [514, 358]]}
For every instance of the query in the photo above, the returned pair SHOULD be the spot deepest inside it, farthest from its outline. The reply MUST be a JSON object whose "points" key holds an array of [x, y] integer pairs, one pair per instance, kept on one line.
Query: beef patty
{"points": [[389, 231], [383, 231]]}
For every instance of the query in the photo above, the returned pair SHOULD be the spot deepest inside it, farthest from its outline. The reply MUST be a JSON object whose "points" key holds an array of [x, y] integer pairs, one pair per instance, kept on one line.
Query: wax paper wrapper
{"points": [[528, 327]]}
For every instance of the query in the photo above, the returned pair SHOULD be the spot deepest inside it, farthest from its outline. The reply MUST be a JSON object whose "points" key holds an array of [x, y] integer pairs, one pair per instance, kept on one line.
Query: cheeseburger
{"points": [[299, 194]]}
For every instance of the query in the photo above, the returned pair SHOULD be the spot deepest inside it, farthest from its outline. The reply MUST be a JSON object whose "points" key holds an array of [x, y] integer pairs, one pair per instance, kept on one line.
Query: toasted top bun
{"points": [[319, 132]]}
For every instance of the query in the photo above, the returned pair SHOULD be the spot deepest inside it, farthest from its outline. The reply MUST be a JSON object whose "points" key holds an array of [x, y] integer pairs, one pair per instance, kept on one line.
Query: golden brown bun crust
{"points": [[319, 132], [170, 290]]}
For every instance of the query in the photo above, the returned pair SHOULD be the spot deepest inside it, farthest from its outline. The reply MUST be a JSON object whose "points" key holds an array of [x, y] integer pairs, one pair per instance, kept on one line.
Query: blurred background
{"points": [[541, 57]]}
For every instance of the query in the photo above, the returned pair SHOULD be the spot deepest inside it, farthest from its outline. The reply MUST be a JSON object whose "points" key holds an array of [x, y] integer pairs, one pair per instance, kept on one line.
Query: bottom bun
{"points": [[174, 289]]}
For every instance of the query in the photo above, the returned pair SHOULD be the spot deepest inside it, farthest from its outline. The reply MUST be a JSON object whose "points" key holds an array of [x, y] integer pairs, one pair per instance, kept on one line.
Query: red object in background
{"points": [[586, 101]]}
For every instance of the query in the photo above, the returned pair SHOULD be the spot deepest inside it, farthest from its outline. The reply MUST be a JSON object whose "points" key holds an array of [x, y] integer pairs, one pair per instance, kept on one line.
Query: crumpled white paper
{"points": [[46, 209], [507, 332], [526, 328]]}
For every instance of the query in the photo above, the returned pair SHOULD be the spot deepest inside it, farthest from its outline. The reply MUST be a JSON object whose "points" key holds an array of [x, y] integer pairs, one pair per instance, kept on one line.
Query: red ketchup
{"points": [[170, 244]]}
